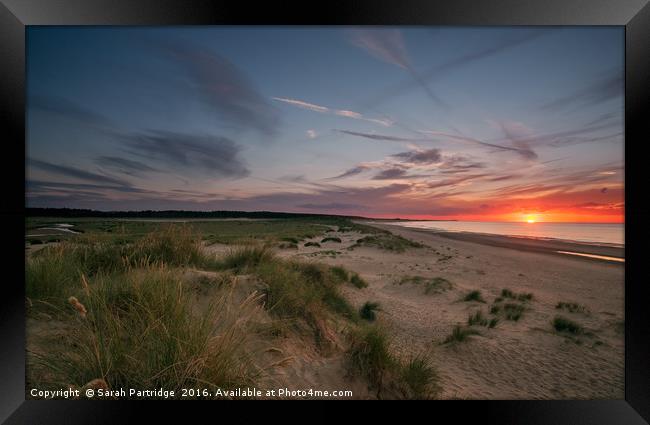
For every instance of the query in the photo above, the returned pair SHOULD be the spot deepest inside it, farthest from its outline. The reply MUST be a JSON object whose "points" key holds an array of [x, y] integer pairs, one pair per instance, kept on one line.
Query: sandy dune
{"points": [[525, 359]]}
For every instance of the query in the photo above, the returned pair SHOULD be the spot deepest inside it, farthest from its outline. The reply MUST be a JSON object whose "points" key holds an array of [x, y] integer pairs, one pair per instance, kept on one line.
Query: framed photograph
{"points": [[430, 201]]}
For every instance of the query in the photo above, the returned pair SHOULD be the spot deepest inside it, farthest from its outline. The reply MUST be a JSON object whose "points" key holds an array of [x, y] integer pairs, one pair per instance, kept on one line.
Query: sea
{"points": [[611, 234]]}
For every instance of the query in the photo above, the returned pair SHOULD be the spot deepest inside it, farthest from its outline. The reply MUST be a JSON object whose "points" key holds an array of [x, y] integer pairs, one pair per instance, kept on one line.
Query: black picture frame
{"points": [[634, 15]]}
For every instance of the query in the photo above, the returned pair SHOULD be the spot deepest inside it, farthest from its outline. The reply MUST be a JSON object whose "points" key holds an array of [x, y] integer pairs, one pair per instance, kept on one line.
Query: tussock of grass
{"points": [[513, 311], [367, 311], [55, 270], [140, 332], [562, 324], [340, 273], [303, 290], [369, 355], [474, 296], [431, 285], [493, 322], [571, 307], [290, 240], [331, 239], [357, 281], [420, 379], [245, 257], [507, 293], [460, 334], [316, 244], [477, 319], [525, 297], [495, 309], [387, 241]]}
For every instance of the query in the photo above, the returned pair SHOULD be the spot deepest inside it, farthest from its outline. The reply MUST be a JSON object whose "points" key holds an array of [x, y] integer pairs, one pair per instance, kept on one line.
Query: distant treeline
{"points": [[73, 212]]}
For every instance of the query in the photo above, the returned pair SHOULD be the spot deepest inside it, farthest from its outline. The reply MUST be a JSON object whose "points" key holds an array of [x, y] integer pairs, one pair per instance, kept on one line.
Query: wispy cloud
{"points": [[516, 133], [214, 156], [429, 156], [67, 171], [68, 109], [340, 112], [312, 134], [523, 151], [124, 166], [602, 90], [384, 137], [388, 45], [351, 172], [225, 88], [390, 173], [304, 105], [444, 68]]}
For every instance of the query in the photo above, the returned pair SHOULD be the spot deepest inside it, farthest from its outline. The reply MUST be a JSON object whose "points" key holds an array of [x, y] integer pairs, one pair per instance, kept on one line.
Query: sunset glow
{"points": [[451, 124]]}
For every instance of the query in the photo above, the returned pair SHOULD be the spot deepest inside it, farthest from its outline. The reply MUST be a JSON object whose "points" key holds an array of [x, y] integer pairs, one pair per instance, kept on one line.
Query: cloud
{"points": [[388, 45], [331, 206], [382, 137], [340, 112], [516, 133], [351, 172], [225, 88], [124, 166], [456, 164], [385, 44], [599, 91], [460, 61], [391, 173], [302, 104], [69, 109], [526, 153], [522, 150], [215, 156], [311, 134], [40, 185], [77, 173], [430, 156]]}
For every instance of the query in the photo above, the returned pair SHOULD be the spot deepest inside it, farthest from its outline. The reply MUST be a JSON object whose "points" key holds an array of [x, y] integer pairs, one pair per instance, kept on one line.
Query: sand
{"points": [[526, 359]]}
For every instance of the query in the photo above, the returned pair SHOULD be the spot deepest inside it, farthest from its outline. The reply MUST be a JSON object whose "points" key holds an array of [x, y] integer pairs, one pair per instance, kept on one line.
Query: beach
{"points": [[524, 359], [495, 317]]}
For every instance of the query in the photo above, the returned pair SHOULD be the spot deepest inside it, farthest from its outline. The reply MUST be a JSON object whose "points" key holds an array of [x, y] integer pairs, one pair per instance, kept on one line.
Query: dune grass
{"points": [[52, 273], [140, 332], [513, 311], [367, 311], [331, 239], [134, 321], [421, 380], [357, 281], [474, 296], [369, 355], [523, 296], [387, 241], [340, 273], [562, 324], [244, 258], [477, 319], [571, 307], [316, 244], [460, 334]]}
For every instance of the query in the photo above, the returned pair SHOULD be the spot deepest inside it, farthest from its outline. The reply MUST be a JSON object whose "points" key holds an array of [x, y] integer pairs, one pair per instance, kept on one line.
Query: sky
{"points": [[463, 123]]}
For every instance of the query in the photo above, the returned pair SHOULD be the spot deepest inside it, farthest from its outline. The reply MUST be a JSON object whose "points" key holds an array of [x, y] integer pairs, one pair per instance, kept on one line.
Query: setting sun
{"points": [[530, 218]]}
